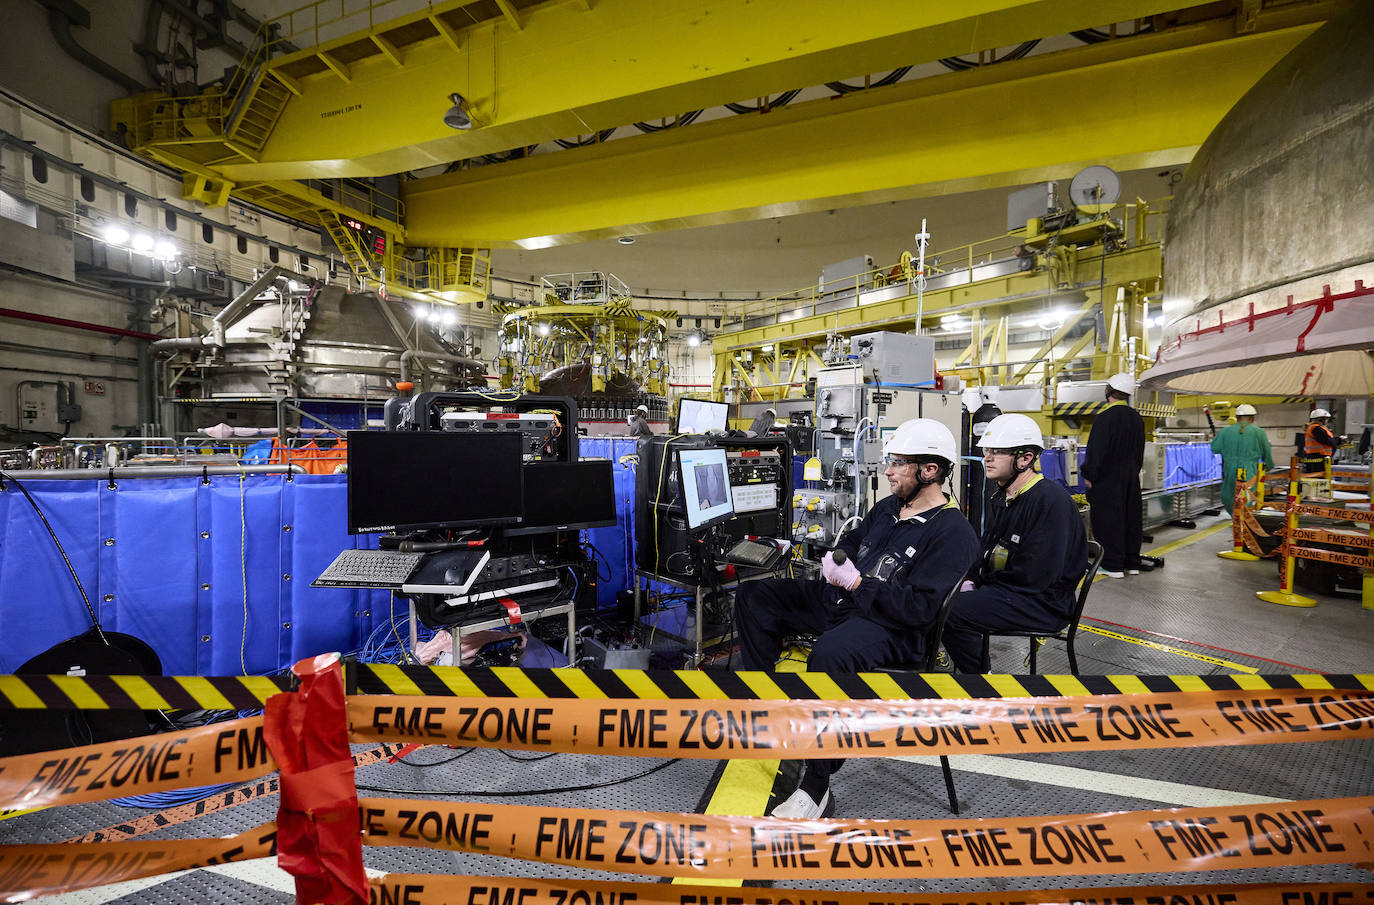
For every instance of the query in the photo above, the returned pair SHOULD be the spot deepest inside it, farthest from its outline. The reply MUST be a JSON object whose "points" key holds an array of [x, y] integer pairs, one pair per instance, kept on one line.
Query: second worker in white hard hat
{"points": [[1034, 548], [877, 607]]}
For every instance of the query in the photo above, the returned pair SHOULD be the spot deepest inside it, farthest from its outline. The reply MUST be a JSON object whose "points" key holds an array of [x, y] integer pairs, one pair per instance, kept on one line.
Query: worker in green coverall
{"points": [[1242, 445]]}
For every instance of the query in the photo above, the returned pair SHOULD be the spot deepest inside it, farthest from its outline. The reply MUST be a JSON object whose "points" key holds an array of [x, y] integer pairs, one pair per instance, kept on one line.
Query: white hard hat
{"points": [[1319, 413], [1122, 383], [923, 437], [1012, 431], [1245, 408], [642, 408]]}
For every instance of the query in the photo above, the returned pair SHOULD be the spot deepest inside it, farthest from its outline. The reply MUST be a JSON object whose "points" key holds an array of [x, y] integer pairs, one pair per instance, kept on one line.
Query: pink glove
{"points": [[844, 576], [828, 566]]}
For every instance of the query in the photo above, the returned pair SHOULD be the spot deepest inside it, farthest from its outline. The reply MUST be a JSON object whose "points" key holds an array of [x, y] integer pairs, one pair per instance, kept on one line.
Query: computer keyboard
{"points": [[369, 569], [752, 553]]}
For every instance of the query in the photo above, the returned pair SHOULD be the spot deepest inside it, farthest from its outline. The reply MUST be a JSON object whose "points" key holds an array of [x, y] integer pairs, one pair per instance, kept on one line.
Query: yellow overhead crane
{"points": [[1107, 271], [335, 90]]}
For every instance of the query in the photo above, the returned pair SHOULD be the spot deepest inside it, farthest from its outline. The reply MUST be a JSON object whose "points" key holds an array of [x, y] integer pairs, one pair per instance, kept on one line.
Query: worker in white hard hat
{"points": [[1241, 445], [876, 607], [639, 422], [1034, 548], [1318, 441], [1111, 473]]}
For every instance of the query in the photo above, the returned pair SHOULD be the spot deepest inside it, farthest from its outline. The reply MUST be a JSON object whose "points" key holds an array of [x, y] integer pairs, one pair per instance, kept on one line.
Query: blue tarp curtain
{"points": [[167, 560]]}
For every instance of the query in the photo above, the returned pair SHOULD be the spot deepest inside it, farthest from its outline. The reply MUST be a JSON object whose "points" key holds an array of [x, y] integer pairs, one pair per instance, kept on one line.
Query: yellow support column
{"points": [[1284, 596], [1238, 551]]}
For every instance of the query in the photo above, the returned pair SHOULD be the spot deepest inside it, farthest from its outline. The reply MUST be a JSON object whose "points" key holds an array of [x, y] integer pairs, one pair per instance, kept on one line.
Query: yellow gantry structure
{"points": [[1107, 272], [336, 91]]}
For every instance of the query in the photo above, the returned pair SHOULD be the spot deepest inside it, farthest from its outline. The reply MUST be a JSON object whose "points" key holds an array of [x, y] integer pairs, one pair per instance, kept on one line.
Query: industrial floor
{"points": [[1198, 615]]}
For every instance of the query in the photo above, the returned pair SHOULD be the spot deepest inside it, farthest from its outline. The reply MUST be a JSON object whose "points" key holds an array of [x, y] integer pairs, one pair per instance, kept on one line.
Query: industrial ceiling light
{"points": [[543, 329], [457, 116], [142, 242], [165, 249], [693, 339], [116, 234]]}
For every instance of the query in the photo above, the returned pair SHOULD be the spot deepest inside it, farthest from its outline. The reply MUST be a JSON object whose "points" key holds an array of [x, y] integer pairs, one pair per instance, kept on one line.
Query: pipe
{"points": [[77, 325], [60, 13], [147, 471], [180, 342]]}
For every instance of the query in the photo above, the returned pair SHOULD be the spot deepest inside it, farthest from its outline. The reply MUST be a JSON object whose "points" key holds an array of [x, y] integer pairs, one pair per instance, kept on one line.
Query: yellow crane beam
{"points": [[1147, 101], [559, 69], [1138, 264]]}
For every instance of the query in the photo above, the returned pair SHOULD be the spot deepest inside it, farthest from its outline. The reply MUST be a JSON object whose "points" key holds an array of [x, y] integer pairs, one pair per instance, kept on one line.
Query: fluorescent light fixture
{"points": [[142, 242], [767, 348], [116, 234], [949, 319]]}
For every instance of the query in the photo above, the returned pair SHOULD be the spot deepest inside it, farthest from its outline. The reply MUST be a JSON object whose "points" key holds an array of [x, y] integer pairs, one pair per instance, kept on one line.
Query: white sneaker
{"points": [[1132, 571], [1110, 574], [801, 806]]}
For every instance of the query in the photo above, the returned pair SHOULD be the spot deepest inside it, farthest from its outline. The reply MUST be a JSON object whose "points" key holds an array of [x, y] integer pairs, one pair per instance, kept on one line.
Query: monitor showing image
{"points": [[697, 416], [705, 487]]}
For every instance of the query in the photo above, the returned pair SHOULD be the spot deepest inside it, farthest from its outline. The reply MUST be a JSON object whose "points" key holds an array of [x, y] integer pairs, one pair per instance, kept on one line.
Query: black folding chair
{"points": [[930, 664], [1065, 634]]}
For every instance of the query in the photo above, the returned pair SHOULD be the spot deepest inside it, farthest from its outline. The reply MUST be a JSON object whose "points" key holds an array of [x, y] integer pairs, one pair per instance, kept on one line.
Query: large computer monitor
{"points": [[413, 480], [705, 487], [697, 416], [563, 496]]}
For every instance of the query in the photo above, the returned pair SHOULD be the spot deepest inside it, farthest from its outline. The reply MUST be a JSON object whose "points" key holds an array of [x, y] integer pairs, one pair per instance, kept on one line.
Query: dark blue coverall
{"points": [[1034, 553], [908, 566]]}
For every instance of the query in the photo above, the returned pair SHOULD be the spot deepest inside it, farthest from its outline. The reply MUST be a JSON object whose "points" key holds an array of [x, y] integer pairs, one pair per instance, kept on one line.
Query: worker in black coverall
{"points": [[1111, 472], [1034, 548], [875, 608]]}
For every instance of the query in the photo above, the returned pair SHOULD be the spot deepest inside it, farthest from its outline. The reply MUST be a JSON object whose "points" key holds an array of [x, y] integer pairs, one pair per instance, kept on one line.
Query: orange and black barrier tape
{"points": [[798, 729], [1330, 831], [435, 889]]}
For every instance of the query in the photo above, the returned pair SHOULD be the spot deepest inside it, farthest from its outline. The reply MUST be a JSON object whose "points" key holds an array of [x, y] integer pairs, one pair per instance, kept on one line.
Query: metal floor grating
{"points": [[1206, 604]]}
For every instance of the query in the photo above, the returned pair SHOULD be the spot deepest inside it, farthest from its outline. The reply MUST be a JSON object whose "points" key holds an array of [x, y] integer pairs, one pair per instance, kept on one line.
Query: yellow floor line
{"points": [[1155, 645]]}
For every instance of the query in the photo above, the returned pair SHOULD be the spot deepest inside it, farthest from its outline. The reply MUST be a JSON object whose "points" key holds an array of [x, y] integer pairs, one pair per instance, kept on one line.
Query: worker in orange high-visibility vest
{"points": [[1318, 441]]}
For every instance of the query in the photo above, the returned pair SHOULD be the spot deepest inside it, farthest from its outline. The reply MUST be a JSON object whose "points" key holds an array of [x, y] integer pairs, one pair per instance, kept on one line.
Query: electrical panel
{"points": [[854, 415], [818, 514], [895, 358]]}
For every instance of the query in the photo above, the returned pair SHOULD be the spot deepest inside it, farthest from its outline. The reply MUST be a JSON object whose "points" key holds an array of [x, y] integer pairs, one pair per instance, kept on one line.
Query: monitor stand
{"points": [[449, 572]]}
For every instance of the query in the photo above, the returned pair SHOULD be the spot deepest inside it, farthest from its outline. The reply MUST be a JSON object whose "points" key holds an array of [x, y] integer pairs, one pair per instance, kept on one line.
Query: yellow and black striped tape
{"points": [[1290, 400], [511, 682], [1072, 409], [248, 692], [139, 692], [1078, 409]]}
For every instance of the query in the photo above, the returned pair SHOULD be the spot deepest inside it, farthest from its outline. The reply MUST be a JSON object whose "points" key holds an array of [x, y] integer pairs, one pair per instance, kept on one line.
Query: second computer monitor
{"points": [[697, 416], [705, 487]]}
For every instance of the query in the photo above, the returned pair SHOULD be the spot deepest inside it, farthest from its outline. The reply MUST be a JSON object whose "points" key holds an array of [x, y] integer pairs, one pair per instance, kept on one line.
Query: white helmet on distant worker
{"points": [[1122, 383], [1012, 431], [1244, 409], [1319, 413], [922, 437]]}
